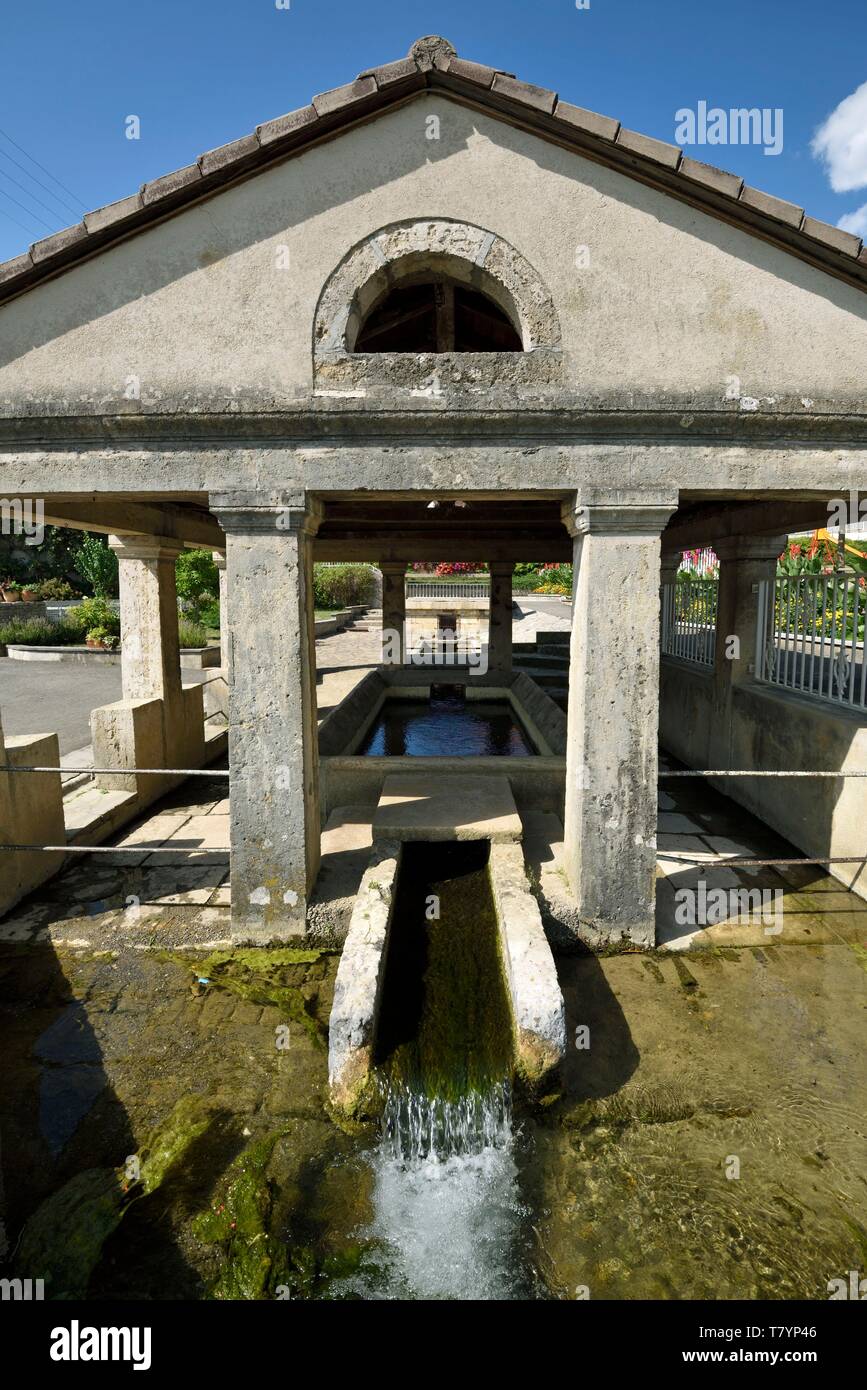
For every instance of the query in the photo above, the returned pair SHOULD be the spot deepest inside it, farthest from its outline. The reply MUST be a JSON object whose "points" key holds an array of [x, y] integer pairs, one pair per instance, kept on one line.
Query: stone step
{"points": [[558, 638], [544, 675], [551, 660]]}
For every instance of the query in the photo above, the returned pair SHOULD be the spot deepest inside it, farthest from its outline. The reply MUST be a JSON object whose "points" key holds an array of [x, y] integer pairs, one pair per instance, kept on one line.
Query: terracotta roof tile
{"points": [[538, 97], [604, 127], [789, 213], [433, 63], [657, 150], [339, 98]]}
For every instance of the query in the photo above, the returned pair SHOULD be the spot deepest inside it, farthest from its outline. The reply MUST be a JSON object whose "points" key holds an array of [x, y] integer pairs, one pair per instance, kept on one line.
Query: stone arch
{"points": [[467, 255]]}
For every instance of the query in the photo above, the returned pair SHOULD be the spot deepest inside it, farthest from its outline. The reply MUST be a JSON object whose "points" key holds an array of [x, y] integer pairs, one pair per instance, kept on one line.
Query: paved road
{"points": [[57, 697]]}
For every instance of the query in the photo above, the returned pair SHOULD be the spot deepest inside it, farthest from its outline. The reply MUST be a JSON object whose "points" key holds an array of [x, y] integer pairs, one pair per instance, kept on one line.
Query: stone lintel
{"points": [[145, 547], [750, 547]]}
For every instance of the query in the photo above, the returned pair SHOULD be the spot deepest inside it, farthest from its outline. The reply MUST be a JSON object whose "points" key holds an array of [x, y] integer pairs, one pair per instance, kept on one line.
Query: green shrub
{"points": [[191, 634], [338, 586], [56, 589], [92, 612], [33, 632], [98, 565], [209, 614], [197, 579]]}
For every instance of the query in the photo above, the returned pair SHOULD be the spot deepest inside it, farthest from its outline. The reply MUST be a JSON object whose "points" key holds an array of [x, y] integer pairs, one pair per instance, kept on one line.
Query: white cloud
{"points": [[841, 141], [855, 222]]}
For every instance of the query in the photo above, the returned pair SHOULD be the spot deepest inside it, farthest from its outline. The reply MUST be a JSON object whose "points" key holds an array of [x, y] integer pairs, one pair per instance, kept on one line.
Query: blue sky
{"points": [[199, 74]]}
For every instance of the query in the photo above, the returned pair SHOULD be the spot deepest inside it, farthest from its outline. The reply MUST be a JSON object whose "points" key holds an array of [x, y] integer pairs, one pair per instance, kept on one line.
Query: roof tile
{"points": [[270, 131], [227, 154], [603, 126], [340, 97], [657, 150], [51, 245], [112, 212], [524, 92], [846, 242], [169, 183], [17, 266], [388, 73], [477, 73], [773, 207], [710, 177]]}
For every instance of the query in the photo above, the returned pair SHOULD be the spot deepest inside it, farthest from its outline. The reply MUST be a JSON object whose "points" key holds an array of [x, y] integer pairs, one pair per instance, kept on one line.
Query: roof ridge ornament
{"points": [[432, 51]]}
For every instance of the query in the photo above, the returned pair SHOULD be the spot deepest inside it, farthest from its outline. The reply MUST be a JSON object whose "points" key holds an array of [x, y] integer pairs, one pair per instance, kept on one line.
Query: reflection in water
{"points": [[447, 727]]}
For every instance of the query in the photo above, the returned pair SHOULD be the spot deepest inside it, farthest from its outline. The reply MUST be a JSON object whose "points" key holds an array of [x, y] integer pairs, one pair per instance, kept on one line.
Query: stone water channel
{"points": [[168, 1130]]}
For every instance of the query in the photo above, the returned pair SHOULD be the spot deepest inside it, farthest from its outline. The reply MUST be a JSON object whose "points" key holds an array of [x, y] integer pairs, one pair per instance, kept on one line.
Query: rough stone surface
{"points": [[358, 988], [537, 1004]]}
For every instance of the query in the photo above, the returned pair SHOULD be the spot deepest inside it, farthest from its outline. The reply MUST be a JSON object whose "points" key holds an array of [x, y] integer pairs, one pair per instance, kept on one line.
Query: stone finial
{"points": [[432, 51]]}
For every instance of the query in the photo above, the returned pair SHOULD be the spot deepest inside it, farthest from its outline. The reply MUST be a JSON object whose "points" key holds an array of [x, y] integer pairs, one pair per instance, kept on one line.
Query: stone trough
{"points": [[428, 807]]}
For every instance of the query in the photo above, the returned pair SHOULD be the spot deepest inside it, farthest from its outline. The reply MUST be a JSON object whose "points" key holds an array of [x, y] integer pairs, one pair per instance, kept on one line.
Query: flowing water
{"points": [[449, 1219]]}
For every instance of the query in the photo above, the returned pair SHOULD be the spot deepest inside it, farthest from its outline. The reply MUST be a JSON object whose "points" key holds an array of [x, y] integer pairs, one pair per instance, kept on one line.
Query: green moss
{"points": [[446, 1027], [63, 1239], [260, 975], [254, 1262]]}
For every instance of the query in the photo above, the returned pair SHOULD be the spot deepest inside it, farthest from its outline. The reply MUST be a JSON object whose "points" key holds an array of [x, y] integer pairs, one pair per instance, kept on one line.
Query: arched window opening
{"points": [[437, 316]]}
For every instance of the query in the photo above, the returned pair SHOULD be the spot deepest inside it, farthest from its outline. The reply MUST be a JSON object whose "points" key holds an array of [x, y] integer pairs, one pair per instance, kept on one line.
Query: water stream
{"points": [[448, 1218]]}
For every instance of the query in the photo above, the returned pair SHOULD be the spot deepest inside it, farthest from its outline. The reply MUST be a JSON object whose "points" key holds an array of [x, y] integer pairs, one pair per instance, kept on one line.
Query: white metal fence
{"points": [[810, 636], [448, 588], [689, 611]]}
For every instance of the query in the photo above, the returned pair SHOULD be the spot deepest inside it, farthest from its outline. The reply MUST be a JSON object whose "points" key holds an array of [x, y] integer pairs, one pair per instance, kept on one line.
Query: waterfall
{"points": [[448, 1214]]}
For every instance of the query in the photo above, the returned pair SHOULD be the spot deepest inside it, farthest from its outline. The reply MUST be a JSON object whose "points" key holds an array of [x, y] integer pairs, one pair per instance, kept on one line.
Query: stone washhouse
{"points": [[441, 285]]}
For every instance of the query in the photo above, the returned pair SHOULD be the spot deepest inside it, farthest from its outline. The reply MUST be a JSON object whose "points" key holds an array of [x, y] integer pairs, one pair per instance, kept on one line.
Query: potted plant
{"points": [[101, 640], [11, 591], [29, 593]]}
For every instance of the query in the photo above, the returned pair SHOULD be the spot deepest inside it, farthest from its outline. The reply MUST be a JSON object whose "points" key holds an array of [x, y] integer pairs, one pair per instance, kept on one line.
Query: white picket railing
{"points": [[689, 611], [810, 636], [448, 588]]}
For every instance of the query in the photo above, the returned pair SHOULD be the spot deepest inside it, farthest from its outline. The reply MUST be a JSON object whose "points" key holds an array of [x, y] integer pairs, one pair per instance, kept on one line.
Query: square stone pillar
{"points": [[500, 616], [273, 742], [150, 655], [393, 650], [611, 758], [225, 644], [744, 562]]}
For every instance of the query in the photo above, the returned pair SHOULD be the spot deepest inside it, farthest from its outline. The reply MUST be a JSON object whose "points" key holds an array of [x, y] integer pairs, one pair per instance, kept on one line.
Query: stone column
{"points": [[669, 565], [273, 744], [500, 616], [611, 759], [150, 656], [225, 644], [744, 562], [393, 612]]}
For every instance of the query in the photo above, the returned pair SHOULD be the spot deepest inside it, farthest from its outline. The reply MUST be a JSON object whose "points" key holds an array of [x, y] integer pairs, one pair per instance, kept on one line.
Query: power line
{"points": [[17, 223], [26, 171], [53, 177], [25, 189], [30, 214]]}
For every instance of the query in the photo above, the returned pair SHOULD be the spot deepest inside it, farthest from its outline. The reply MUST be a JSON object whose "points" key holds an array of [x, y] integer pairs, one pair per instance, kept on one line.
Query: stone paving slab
{"points": [[428, 806]]}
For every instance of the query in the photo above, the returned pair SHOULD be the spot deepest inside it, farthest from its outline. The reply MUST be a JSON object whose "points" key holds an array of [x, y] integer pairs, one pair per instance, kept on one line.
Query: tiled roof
{"points": [[433, 64]]}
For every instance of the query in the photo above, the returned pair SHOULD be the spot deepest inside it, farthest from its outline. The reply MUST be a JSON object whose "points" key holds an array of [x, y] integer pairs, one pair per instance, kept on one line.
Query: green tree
{"points": [[96, 563], [198, 580]]}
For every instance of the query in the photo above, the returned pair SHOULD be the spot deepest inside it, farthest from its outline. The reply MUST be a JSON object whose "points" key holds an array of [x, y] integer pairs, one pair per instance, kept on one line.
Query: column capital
{"points": [[619, 513], [501, 568], [393, 566], [133, 547], [750, 547], [239, 516]]}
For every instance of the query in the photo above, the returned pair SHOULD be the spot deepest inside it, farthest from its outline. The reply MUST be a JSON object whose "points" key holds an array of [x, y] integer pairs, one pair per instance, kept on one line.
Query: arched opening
{"points": [[437, 315]]}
